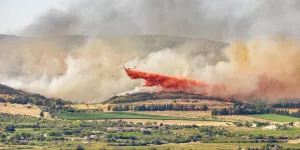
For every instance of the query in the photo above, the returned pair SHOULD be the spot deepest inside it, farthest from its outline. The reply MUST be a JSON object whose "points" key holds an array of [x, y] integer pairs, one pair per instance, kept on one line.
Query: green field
{"points": [[276, 117], [293, 132], [117, 115]]}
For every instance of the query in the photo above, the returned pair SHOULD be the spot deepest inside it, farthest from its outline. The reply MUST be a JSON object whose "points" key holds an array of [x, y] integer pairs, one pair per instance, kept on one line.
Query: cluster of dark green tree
{"points": [[240, 109], [160, 107], [21, 97], [249, 109], [295, 114], [287, 105], [286, 112], [39, 100]]}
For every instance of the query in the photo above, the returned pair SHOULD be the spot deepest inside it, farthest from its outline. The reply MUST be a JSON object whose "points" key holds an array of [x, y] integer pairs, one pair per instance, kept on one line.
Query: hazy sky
{"points": [[16, 14], [212, 19]]}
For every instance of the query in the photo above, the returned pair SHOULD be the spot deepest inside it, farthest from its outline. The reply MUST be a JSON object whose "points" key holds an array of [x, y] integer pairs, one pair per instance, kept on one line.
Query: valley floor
{"points": [[185, 146]]}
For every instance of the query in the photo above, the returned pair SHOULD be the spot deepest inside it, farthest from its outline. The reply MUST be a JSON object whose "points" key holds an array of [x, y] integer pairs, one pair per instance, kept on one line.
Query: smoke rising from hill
{"points": [[88, 71], [264, 67]]}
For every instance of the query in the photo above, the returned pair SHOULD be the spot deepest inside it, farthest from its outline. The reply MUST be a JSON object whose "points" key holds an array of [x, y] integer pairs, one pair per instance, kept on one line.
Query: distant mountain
{"points": [[148, 42]]}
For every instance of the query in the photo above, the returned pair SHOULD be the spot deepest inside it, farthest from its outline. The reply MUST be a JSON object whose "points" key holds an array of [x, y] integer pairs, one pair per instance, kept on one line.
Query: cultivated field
{"points": [[289, 109], [206, 114], [188, 114], [18, 109], [292, 132], [116, 115], [276, 117], [88, 106], [241, 118], [178, 122]]}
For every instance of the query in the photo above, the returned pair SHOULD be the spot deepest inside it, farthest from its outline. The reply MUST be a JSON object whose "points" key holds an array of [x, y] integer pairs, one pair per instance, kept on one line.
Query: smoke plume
{"points": [[211, 19], [265, 67], [89, 71], [86, 70], [262, 67]]}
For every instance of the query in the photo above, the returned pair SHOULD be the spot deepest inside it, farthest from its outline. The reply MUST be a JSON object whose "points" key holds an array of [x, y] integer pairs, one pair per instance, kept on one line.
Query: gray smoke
{"points": [[211, 19], [88, 71]]}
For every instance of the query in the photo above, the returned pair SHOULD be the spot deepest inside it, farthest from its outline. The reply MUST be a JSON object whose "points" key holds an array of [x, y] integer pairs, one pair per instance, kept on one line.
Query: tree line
{"points": [[159, 107], [244, 109], [287, 105], [249, 109]]}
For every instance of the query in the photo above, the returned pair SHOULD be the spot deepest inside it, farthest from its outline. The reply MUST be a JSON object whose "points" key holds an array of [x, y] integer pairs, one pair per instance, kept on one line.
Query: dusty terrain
{"points": [[18, 109], [88, 106], [242, 118], [290, 109], [297, 141]]}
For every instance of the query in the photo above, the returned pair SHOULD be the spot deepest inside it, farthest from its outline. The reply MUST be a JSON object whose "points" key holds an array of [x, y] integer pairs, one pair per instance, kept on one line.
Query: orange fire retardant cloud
{"points": [[267, 87], [176, 83]]}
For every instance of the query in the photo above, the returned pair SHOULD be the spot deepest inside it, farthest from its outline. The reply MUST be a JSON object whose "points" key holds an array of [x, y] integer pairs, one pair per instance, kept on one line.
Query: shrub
{"points": [[79, 147], [146, 132]]}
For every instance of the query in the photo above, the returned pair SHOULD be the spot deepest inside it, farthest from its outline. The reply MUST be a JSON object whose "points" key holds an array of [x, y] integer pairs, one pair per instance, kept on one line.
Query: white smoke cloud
{"points": [[88, 71], [211, 19]]}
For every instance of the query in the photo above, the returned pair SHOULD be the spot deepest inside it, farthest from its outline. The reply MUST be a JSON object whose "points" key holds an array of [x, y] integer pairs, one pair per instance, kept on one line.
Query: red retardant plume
{"points": [[266, 87], [175, 83]]}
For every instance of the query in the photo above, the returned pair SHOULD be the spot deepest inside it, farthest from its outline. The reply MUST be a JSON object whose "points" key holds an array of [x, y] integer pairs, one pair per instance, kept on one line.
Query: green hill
{"points": [[8, 94], [135, 97]]}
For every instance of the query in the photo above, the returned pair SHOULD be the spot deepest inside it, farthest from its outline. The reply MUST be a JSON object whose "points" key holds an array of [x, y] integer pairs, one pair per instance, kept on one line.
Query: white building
{"points": [[270, 127], [254, 125]]}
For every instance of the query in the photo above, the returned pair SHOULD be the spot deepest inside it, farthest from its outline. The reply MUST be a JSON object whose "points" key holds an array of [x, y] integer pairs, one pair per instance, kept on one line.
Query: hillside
{"points": [[8, 94], [144, 96]]}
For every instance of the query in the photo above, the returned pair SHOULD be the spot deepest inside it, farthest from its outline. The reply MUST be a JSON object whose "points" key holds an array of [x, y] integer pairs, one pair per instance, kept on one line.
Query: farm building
{"points": [[270, 127]]}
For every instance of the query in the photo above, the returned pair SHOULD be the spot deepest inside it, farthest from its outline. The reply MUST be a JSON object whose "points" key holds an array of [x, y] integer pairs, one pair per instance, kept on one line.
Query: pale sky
{"points": [[211, 19], [16, 14]]}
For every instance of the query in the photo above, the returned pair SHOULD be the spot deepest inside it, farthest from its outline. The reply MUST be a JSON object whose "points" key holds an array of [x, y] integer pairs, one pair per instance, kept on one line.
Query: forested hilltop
{"points": [[8, 94]]}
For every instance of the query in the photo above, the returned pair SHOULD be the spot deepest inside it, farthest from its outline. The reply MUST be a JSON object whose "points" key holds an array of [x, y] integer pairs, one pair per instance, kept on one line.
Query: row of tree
{"points": [[248, 109], [159, 107], [287, 113], [287, 105], [295, 114], [245, 109]]}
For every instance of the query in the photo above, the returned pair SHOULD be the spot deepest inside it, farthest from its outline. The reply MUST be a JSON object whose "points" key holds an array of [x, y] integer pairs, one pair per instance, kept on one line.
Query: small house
{"points": [[270, 127]]}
